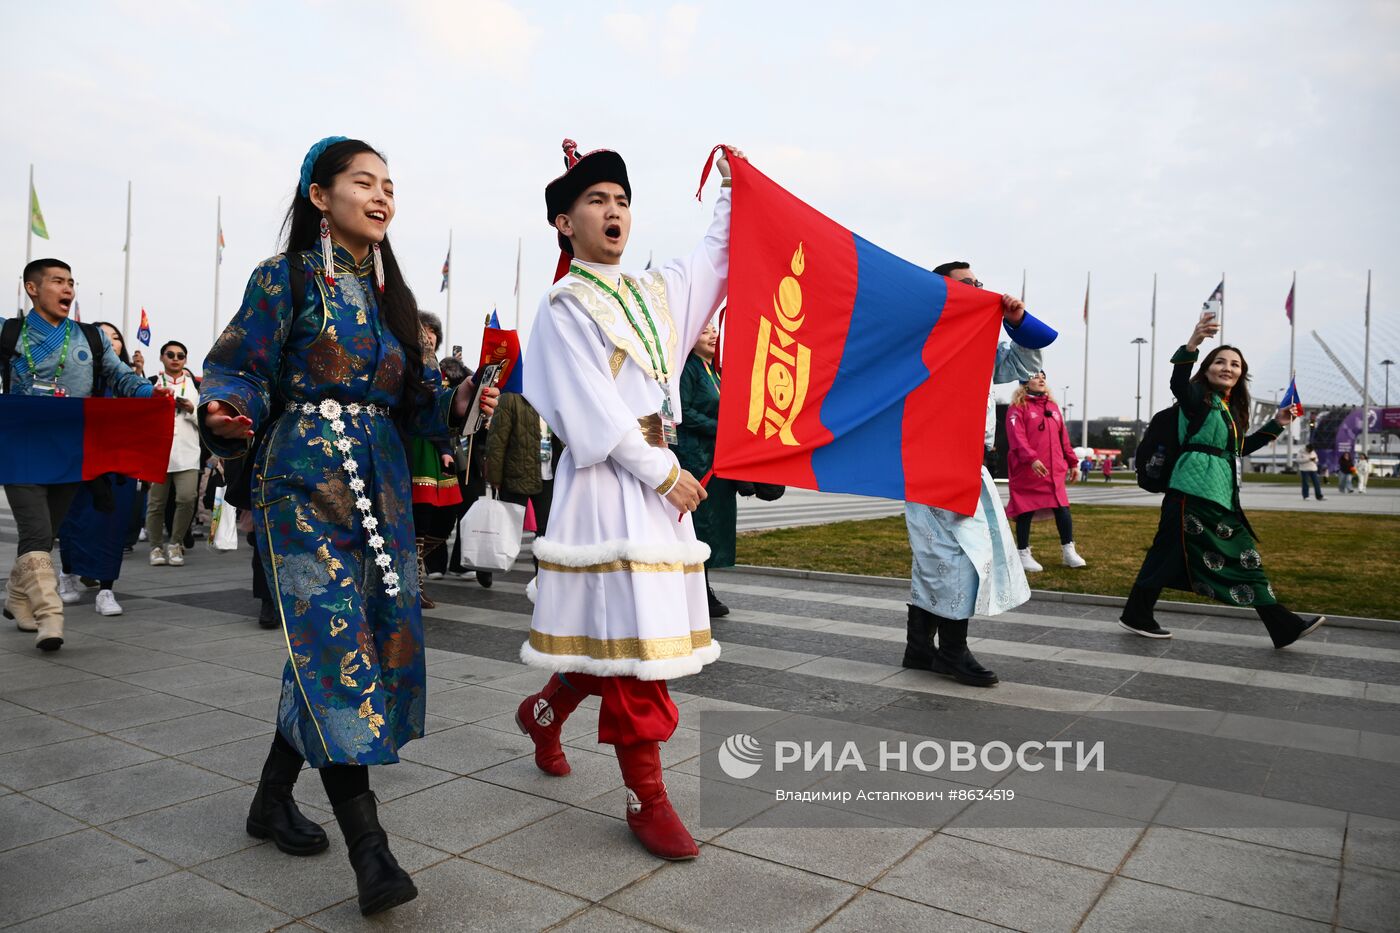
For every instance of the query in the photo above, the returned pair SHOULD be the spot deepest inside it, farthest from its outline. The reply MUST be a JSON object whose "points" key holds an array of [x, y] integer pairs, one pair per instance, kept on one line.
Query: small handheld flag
{"points": [[503, 346], [1291, 400], [143, 333]]}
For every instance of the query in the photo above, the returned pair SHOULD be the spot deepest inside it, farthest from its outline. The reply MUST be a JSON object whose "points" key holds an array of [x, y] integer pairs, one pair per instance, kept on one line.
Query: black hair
{"points": [[948, 268], [430, 321], [453, 370], [1239, 395], [123, 354], [398, 308], [34, 271], [174, 343]]}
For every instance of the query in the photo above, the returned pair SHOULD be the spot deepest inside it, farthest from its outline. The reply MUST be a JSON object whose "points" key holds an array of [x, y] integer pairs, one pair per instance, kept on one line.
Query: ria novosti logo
{"points": [[741, 756]]}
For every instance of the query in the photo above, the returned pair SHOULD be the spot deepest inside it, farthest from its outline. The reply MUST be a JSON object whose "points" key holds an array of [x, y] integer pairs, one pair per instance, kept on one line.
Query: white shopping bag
{"points": [[490, 534], [223, 524]]}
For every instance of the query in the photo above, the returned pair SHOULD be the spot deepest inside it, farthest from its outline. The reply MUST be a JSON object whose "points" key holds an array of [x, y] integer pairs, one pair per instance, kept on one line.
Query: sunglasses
{"points": [[174, 356], [975, 283]]}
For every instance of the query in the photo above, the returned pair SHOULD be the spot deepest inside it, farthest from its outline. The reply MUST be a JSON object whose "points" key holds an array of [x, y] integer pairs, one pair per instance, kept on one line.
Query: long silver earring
{"points": [[378, 267], [327, 254]]}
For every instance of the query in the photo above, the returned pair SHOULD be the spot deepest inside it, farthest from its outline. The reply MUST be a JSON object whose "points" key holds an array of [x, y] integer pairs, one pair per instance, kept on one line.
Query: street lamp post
{"points": [[1137, 406], [1387, 363]]}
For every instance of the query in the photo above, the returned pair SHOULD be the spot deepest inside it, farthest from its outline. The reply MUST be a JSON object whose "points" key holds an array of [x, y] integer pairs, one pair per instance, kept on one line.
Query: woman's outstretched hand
{"points": [[224, 421]]}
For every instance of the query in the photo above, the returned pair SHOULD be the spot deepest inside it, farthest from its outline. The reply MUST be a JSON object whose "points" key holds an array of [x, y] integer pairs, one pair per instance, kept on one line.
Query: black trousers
{"points": [[1063, 524]]}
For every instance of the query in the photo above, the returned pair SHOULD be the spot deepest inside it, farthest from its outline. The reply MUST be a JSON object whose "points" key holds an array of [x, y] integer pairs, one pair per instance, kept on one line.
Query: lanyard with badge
{"points": [[47, 386], [655, 353]]}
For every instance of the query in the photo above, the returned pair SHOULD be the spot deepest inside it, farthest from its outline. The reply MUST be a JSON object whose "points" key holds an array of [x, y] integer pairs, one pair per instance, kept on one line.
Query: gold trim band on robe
{"points": [[631, 566], [621, 649]]}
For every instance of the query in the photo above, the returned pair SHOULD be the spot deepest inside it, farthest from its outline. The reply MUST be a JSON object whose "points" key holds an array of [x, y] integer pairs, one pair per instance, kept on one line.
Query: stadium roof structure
{"points": [[1321, 376]]}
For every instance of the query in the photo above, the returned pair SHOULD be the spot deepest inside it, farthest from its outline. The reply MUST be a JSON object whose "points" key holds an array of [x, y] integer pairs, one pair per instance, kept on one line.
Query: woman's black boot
{"points": [[381, 882], [1286, 627], [918, 639], [274, 814], [953, 658], [718, 610]]}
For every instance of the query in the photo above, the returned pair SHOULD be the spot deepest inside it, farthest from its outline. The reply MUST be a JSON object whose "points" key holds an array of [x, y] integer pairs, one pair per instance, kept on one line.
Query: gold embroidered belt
{"points": [[652, 430]]}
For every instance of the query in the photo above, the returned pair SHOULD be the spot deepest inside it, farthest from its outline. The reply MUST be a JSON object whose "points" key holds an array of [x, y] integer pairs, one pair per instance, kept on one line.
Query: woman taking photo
{"points": [[1040, 461], [1204, 543], [717, 517], [92, 540], [323, 365]]}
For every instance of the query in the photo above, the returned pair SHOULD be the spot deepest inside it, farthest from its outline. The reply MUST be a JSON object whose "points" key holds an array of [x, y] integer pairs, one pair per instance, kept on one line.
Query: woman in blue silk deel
{"points": [[323, 365]]}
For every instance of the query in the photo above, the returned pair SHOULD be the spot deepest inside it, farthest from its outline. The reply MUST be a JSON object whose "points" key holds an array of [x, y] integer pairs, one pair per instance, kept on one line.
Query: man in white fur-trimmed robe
{"points": [[620, 600]]}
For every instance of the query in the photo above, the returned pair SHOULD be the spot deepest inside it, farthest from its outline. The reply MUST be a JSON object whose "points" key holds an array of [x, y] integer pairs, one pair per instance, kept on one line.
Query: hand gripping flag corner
{"points": [[848, 369]]}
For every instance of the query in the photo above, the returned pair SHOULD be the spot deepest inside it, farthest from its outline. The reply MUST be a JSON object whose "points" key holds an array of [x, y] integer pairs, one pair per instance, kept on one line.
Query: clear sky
{"points": [[1181, 138]]}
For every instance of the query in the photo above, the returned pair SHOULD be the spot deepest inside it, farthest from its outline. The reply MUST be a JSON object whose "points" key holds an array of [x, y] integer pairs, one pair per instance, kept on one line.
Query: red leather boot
{"points": [[649, 813], [542, 716]]}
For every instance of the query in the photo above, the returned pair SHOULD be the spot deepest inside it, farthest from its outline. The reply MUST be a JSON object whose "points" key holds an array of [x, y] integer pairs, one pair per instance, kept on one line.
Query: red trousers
{"points": [[632, 710]]}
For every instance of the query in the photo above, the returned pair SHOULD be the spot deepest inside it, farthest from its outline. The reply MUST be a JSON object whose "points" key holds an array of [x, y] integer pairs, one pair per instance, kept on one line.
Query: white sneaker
{"points": [[435, 575], [467, 575], [142, 535], [1071, 556], [175, 554], [68, 588], [157, 557], [107, 604], [1028, 563]]}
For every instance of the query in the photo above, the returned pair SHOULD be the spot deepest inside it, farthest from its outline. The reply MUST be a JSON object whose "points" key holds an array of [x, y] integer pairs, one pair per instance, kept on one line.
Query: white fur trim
{"points": [[532, 589], [669, 669], [585, 555]]}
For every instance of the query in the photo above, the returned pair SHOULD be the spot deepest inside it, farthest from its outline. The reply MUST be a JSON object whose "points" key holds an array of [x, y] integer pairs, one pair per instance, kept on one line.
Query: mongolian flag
{"points": [[143, 333], [1291, 400], [500, 345], [847, 368], [446, 270], [46, 440]]}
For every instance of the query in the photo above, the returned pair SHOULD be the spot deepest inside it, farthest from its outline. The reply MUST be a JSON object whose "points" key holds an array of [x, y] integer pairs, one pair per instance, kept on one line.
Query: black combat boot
{"points": [[381, 882], [953, 659], [918, 639], [274, 814]]}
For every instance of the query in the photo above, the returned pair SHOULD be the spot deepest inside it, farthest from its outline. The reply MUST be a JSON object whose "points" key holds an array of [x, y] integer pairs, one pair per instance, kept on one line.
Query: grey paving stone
{"points": [[110, 659], [876, 911], [1281, 823], [460, 895], [132, 711], [112, 795], [176, 902], [593, 773], [472, 703], [48, 675], [255, 642], [1275, 879], [603, 920], [470, 669], [49, 764], [57, 873], [23, 821], [203, 730], [1133, 905], [467, 749], [1373, 841], [390, 782], [847, 846], [1055, 831], [302, 886], [1370, 899], [602, 855], [9, 710], [83, 693], [245, 688], [479, 812], [193, 673], [34, 729], [998, 885], [758, 895], [269, 663], [1134, 796], [195, 831], [241, 760]]}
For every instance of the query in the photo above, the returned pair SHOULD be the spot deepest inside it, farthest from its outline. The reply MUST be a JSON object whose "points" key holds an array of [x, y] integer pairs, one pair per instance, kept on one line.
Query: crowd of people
{"points": [[324, 411]]}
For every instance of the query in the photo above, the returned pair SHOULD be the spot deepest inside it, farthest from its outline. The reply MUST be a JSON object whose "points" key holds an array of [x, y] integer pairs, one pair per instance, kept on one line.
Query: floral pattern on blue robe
{"points": [[354, 687]]}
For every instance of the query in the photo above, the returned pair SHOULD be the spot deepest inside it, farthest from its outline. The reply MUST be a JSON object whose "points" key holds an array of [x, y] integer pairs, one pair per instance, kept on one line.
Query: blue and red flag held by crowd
{"points": [[848, 369], [46, 440], [499, 345]]}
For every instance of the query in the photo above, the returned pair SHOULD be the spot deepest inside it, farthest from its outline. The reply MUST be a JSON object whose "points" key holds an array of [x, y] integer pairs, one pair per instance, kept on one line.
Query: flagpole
{"points": [[29, 219], [126, 273], [1222, 308], [1152, 354], [1084, 411], [1366, 378], [519, 246], [447, 314], [1292, 345], [218, 261], [1023, 286]]}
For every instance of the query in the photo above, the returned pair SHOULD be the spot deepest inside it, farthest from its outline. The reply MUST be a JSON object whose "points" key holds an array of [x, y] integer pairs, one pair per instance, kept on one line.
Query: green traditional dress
{"points": [[1204, 543], [717, 516]]}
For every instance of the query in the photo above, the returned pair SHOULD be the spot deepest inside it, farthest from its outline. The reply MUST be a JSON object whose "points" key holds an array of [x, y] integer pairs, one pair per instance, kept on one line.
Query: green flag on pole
{"points": [[36, 216]]}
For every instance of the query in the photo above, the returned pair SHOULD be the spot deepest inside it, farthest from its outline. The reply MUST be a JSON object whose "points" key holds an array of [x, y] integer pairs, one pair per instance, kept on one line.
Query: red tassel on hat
{"points": [[570, 154]]}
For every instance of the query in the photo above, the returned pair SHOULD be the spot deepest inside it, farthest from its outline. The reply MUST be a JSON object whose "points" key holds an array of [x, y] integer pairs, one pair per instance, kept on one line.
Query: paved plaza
{"points": [[128, 758]]}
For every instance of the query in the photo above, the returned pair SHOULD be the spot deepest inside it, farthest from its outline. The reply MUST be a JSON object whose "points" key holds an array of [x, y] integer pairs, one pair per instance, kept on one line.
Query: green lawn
{"points": [[1320, 562]]}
